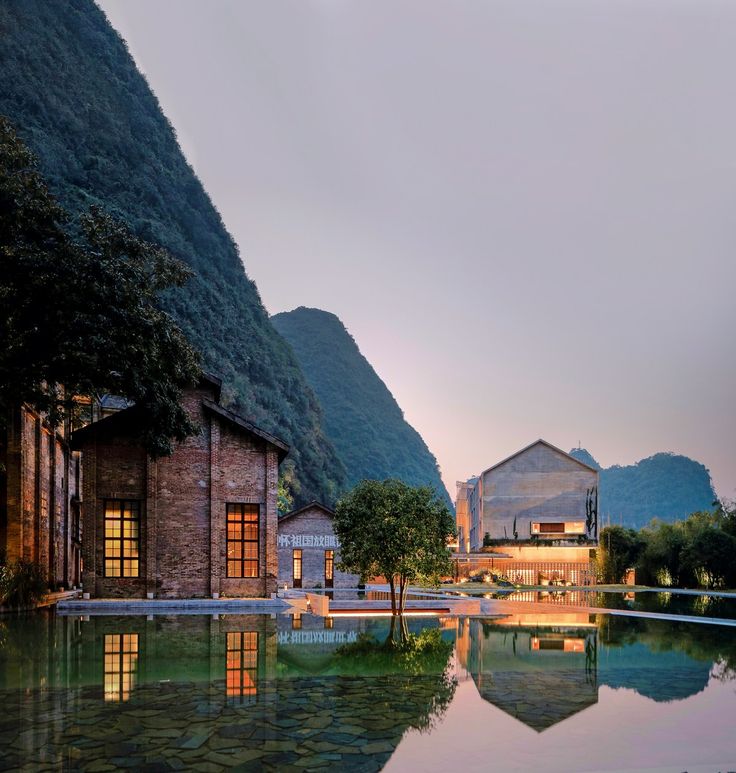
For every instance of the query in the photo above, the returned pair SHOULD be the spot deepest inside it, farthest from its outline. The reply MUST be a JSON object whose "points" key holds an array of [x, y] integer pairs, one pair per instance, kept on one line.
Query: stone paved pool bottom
{"points": [[304, 724], [259, 692]]}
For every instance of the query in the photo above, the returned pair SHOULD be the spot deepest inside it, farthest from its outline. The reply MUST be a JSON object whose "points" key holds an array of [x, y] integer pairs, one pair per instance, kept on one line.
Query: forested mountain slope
{"points": [[665, 486], [75, 96], [362, 418]]}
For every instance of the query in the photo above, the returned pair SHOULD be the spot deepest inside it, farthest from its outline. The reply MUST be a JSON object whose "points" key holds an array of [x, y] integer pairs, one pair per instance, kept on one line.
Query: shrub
{"points": [[22, 584]]}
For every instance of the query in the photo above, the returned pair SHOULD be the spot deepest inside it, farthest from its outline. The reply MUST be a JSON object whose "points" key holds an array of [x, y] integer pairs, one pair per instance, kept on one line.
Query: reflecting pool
{"points": [[567, 691]]}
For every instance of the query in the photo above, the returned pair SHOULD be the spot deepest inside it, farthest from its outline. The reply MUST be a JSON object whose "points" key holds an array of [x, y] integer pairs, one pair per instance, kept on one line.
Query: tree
{"points": [[619, 550], [390, 529], [79, 308], [709, 557], [661, 558]]}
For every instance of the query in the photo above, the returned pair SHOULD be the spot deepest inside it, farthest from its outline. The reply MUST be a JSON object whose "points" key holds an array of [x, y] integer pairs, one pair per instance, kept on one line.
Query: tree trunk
{"points": [[392, 586], [404, 629], [404, 587]]}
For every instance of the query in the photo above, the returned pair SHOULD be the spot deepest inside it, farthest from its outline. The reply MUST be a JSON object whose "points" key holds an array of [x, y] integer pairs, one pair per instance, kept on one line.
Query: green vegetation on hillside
{"points": [[361, 417], [73, 93], [665, 486], [83, 313]]}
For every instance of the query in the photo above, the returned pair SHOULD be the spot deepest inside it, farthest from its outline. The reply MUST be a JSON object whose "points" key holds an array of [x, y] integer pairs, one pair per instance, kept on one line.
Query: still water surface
{"points": [[568, 691]]}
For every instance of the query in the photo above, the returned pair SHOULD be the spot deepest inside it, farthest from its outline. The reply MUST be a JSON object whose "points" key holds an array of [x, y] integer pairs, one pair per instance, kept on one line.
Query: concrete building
{"points": [[309, 550], [39, 496], [539, 492], [537, 510], [200, 522]]}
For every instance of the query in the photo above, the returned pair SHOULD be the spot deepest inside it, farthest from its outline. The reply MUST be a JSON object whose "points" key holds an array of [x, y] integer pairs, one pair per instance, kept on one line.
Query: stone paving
{"points": [[302, 724]]}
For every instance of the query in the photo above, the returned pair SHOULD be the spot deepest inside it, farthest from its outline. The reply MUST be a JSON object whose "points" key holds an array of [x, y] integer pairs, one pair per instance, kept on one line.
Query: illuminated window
{"points": [[329, 568], [122, 538], [242, 666], [121, 658], [242, 540], [296, 562], [329, 622], [566, 527], [296, 621]]}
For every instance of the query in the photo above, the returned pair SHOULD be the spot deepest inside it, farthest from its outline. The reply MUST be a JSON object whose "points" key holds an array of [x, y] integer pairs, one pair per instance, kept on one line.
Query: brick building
{"points": [[200, 522], [309, 550], [39, 496]]}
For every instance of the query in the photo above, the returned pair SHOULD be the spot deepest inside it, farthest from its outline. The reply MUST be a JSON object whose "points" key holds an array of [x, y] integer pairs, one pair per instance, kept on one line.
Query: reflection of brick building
{"points": [[39, 504], [200, 522], [309, 551]]}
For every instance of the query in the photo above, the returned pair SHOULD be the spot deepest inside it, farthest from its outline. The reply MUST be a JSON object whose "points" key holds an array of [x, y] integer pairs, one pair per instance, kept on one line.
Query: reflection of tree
{"points": [[701, 642], [591, 661], [417, 665]]}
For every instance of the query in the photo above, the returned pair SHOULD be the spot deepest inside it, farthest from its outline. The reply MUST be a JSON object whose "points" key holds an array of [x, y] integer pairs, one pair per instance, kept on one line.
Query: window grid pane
{"points": [[243, 540], [122, 538], [121, 660], [241, 676]]}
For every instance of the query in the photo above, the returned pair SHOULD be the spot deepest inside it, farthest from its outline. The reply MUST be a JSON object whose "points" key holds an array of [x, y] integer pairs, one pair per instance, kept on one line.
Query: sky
{"points": [[524, 213]]}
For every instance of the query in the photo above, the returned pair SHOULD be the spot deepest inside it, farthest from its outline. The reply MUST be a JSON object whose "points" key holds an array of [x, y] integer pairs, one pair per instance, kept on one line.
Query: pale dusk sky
{"points": [[524, 212]]}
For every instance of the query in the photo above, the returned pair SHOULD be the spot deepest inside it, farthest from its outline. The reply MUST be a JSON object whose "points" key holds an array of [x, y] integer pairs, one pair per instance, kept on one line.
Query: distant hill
{"points": [[665, 486], [361, 417], [75, 96]]}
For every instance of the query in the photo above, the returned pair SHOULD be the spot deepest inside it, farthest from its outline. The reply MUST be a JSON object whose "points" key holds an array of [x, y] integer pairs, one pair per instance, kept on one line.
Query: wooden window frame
{"points": [[241, 668], [242, 515], [132, 506], [120, 655], [296, 582], [330, 561]]}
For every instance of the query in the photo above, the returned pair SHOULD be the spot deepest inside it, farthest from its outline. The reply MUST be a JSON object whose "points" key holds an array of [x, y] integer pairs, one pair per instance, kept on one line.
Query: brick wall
{"points": [[38, 485], [313, 521], [183, 507]]}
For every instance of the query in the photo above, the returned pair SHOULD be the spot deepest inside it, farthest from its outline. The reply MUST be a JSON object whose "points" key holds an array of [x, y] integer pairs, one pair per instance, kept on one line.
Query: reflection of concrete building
{"points": [[201, 521], [540, 674], [309, 551], [538, 506]]}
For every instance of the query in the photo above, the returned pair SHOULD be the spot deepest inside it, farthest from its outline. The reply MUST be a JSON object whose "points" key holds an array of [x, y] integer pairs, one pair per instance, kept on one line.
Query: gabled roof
{"points": [[312, 505], [128, 422], [536, 443], [244, 424], [212, 381]]}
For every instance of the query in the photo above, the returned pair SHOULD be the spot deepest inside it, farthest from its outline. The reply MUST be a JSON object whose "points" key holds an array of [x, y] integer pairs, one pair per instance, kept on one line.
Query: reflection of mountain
{"points": [[538, 675], [661, 676], [542, 669]]}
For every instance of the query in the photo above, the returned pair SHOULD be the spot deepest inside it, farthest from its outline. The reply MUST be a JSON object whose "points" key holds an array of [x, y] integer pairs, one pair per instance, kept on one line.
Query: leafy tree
{"points": [[284, 496], [619, 550], [79, 315], [709, 557], [387, 528], [102, 138], [661, 560]]}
